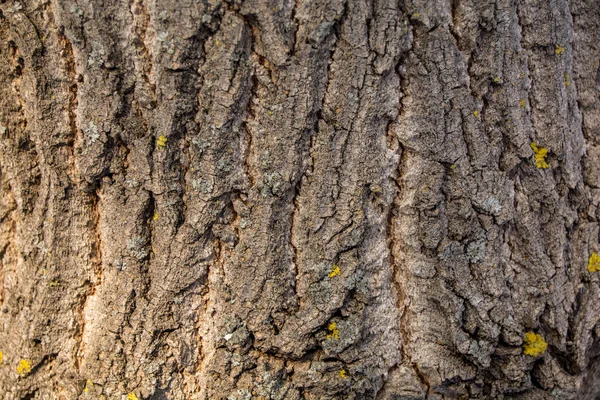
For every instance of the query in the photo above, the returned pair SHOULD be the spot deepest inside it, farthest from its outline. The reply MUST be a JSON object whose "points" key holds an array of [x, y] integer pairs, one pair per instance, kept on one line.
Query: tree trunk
{"points": [[329, 199]]}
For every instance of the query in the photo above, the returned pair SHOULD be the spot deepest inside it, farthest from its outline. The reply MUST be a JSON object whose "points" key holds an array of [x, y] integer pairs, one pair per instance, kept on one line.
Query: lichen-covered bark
{"points": [[327, 199]]}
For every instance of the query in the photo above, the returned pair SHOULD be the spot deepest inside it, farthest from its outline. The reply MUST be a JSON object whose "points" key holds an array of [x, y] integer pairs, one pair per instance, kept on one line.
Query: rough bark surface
{"points": [[326, 199]]}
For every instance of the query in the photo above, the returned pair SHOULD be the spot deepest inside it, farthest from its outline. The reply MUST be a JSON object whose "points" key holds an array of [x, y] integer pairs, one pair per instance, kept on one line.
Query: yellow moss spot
{"points": [[497, 80], [343, 374], [161, 141], [335, 333], [558, 49], [132, 396], [54, 283], [24, 367], [522, 103], [335, 271], [88, 384], [594, 263], [540, 155], [476, 113], [567, 80], [416, 15], [534, 344], [155, 217]]}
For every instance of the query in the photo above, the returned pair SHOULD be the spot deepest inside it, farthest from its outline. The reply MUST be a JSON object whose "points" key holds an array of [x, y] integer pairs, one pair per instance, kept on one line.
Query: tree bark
{"points": [[328, 199]]}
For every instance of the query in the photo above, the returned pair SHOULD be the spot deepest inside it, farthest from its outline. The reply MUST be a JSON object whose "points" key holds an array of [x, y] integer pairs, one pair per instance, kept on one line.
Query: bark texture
{"points": [[324, 199]]}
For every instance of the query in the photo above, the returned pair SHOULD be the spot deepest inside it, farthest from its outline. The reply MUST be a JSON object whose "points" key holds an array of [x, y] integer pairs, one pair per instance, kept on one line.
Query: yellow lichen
{"points": [[594, 263], [54, 283], [155, 217], [335, 333], [24, 367], [522, 103], [132, 396], [335, 271], [476, 114], [567, 80], [161, 141], [558, 49], [88, 384], [534, 345], [540, 155], [343, 373], [375, 188]]}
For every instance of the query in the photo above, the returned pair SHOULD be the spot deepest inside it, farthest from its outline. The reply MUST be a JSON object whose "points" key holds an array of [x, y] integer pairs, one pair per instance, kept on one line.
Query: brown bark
{"points": [[329, 199]]}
